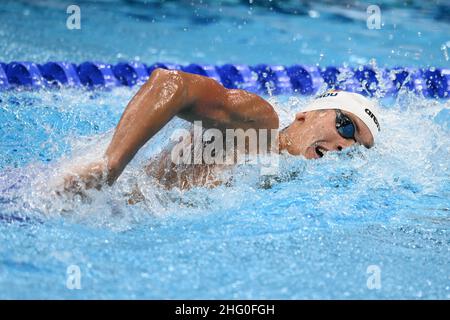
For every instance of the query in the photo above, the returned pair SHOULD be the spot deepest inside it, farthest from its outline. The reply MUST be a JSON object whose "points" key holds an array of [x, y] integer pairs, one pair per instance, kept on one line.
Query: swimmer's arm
{"points": [[221, 108], [165, 95], [191, 97]]}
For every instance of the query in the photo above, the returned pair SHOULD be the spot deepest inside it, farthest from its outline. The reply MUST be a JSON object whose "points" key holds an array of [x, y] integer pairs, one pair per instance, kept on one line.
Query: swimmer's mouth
{"points": [[320, 151]]}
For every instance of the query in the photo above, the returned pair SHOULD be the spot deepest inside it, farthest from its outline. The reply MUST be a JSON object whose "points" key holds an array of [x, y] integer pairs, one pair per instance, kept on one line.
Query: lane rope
{"points": [[262, 78]]}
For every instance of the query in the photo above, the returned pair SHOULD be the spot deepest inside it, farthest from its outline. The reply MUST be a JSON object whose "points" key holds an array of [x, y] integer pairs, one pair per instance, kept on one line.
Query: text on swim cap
{"points": [[327, 94], [373, 118]]}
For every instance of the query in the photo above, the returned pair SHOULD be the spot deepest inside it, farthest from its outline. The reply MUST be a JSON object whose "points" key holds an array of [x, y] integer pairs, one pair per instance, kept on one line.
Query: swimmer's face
{"points": [[314, 133]]}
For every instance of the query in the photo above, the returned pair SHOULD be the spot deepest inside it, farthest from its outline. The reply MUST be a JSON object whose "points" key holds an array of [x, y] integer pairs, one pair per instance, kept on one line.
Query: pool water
{"points": [[311, 231]]}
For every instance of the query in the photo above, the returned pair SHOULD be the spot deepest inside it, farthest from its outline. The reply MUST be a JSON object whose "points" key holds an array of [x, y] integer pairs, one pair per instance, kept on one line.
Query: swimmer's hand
{"points": [[93, 175], [135, 195]]}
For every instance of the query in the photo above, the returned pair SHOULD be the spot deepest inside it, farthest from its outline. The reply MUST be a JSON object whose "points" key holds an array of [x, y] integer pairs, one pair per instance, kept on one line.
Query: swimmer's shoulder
{"points": [[251, 109]]}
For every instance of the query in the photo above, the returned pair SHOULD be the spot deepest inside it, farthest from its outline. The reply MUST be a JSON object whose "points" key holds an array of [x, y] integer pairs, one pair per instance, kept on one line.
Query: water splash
{"points": [[407, 161]]}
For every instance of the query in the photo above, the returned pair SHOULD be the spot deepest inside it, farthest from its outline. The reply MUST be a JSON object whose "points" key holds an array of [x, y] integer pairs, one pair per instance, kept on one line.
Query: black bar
{"points": [[225, 309]]}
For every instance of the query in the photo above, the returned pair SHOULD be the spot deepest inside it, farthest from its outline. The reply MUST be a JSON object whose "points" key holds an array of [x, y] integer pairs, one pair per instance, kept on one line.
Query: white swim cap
{"points": [[354, 103]]}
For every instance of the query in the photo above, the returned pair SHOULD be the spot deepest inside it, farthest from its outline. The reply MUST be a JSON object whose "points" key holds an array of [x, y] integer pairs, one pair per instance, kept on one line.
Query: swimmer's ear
{"points": [[300, 116]]}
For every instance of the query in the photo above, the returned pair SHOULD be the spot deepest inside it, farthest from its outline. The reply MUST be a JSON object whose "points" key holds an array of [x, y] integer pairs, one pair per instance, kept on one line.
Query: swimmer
{"points": [[332, 122]]}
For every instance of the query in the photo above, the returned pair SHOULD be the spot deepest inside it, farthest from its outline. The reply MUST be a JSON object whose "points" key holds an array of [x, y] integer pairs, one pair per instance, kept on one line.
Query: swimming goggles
{"points": [[345, 126]]}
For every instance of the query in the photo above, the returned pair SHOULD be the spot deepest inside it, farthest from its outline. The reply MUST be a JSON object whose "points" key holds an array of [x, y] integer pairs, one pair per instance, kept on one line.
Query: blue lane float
{"points": [[97, 74], [262, 78], [436, 82], [203, 70], [131, 73], [401, 79], [238, 76], [167, 66], [4, 83], [272, 79], [305, 80], [24, 74], [60, 73]]}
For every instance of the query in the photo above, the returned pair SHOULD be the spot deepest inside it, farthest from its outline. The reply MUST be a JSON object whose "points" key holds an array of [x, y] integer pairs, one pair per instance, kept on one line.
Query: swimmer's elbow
{"points": [[173, 77], [170, 85]]}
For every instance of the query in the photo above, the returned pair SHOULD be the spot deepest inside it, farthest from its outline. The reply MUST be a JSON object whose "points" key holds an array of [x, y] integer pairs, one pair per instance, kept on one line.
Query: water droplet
{"points": [[313, 14], [444, 51]]}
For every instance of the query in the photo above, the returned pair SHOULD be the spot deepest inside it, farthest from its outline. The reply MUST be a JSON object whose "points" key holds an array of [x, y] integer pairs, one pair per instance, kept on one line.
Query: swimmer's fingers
{"points": [[88, 177], [71, 186], [135, 196], [84, 178]]}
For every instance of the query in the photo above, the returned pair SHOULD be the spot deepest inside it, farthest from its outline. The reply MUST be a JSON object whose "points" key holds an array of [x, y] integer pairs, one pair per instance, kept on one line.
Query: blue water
{"points": [[310, 232], [316, 32]]}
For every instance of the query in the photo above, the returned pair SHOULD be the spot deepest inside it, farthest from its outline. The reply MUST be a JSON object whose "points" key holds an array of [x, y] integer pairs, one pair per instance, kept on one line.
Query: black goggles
{"points": [[345, 126]]}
